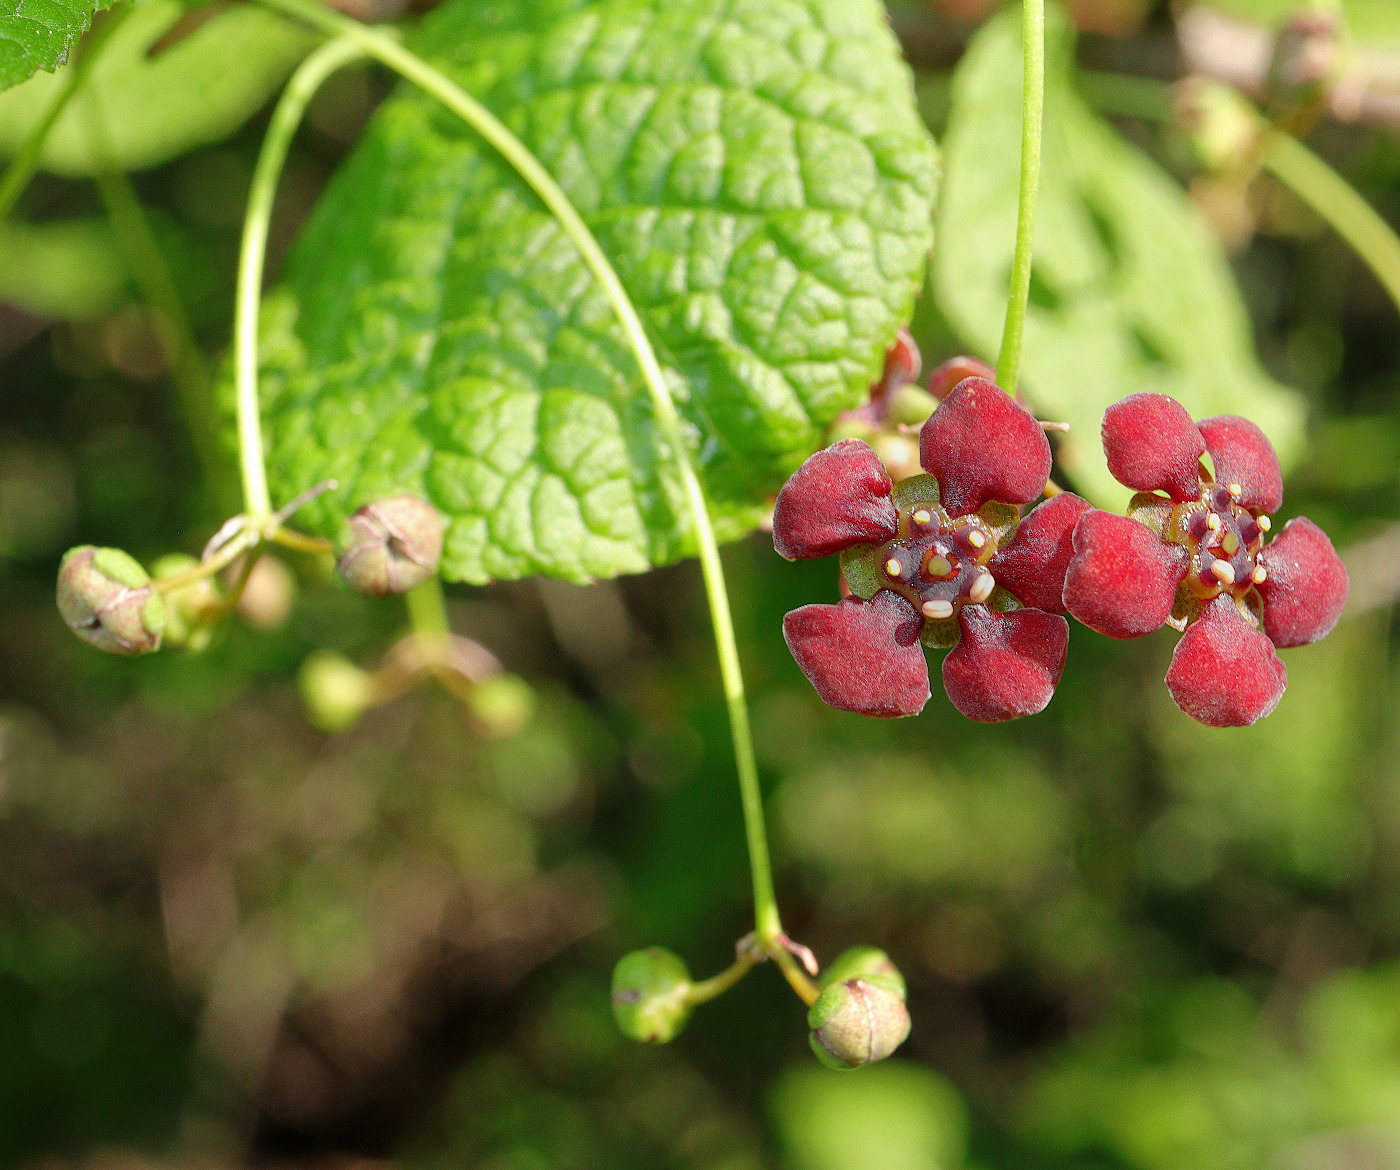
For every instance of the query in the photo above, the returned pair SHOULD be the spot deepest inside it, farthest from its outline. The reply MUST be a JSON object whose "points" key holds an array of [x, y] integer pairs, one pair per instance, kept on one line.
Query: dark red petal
{"points": [[981, 446], [954, 370], [862, 656], [1122, 578], [1007, 664], [839, 497], [1033, 565], [1242, 454], [1225, 672], [1306, 587], [1152, 445], [902, 364]]}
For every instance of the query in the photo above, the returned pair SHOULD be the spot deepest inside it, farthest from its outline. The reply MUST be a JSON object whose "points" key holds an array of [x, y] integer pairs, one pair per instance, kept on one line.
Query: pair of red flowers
{"points": [[945, 560]]}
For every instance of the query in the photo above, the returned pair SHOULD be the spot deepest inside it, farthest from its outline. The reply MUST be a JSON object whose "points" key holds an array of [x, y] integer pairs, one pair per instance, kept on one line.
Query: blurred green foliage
{"points": [[227, 938]]}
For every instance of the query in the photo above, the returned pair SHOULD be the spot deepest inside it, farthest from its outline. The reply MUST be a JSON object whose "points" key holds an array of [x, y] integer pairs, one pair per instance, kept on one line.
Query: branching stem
{"points": [[433, 81], [1032, 122]]}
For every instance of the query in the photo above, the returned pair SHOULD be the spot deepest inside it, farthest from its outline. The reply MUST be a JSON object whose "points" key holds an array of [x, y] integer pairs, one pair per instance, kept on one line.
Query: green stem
{"points": [[26, 162], [714, 987], [1032, 121], [483, 122], [285, 120], [1339, 204], [427, 611], [143, 257]]}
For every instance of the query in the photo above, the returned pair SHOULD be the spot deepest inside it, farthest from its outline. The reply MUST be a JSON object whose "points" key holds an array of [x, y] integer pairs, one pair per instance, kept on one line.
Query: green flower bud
{"points": [[336, 691], [502, 705], [648, 995], [857, 1022], [911, 405], [868, 963], [187, 609], [390, 546], [107, 600]]}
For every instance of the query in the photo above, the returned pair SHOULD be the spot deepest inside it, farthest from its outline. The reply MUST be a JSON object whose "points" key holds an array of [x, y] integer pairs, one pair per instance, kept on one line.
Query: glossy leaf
{"points": [[38, 34], [1130, 292], [762, 183]]}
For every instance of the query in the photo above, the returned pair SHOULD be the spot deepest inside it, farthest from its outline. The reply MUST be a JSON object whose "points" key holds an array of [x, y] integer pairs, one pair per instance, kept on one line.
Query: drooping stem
{"points": [[1032, 121], [427, 611], [26, 162], [433, 81], [1338, 203], [253, 252]]}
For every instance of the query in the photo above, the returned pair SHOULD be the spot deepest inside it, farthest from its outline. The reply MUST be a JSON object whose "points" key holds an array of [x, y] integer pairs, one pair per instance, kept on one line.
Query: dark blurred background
{"points": [[228, 938]]}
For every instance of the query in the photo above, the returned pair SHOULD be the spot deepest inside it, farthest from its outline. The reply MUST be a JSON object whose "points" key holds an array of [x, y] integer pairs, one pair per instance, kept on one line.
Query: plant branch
{"points": [[253, 253], [26, 162], [1032, 122], [408, 64]]}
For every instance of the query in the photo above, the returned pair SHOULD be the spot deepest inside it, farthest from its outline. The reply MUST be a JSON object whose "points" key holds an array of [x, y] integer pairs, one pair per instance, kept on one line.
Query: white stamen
{"points": [[1260, 575], [981, 589], [1264, 523], [1213, 522], [922, 517], [976, 539], [1223, 571], [892, 567], [938, 610], [1234, 489]]}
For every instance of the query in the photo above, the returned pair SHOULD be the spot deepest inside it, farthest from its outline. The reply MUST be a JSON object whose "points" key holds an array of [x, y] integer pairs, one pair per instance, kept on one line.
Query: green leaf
{"points": [[69, 269], [37, 34], [758, 175], [139, 110], [1129, 290]]}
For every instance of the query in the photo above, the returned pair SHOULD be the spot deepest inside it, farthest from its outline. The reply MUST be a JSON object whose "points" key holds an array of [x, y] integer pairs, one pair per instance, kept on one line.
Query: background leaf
{"points": [[37, 34], [760, 178], [68, 269], [139, 110], [1129, 292], [1370, 22]]}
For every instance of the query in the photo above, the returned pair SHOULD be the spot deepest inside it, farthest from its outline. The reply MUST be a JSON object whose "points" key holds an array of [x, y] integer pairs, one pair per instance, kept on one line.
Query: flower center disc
{"points": [[939, 563]]}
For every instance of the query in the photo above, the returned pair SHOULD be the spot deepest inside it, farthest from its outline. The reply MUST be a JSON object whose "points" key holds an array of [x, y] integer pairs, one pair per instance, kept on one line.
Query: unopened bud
{"points": [[868, 963], [954, 370], [107, 600], [391, 546], [501, 705], [188, 608], [336, 691], [857, 1022], [899, 455], [911, 406], [902, 364], [268, 594], [649, 990], [1221, 124]]}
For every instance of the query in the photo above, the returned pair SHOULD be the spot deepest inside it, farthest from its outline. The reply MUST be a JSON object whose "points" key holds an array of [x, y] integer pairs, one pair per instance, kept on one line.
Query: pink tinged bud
{"points": [[1225, 672], [903, 363], [1152, 445], [1304, 587], [1007, 664], [1033, 565], [862, 656], [391, 546], [945, 377], [1242, 455], [857, 1022], [106, 598], [981, 446], [650, 990], [837, 498], [868, 963], [1122, 579]]}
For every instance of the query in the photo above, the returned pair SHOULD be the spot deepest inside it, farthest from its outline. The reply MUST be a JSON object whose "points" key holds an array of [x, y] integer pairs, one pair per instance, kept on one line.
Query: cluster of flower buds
{"points": [[857, 1013], [945, 560]]}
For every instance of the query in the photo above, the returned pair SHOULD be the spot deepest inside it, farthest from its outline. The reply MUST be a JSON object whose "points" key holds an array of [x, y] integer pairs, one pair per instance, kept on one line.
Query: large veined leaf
{"points": [[138, 110], [37, 34], [759, 176], [1129, 290]]}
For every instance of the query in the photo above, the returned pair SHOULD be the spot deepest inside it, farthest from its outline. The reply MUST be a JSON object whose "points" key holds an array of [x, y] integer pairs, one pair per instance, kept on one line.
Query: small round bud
{"points": [[268, 594], [107, 600], [1221, 125], [336, 691], [868, 963], [649, 990], [857, 1022], [501, 705], [187, 609], [911, 405], [390, 546]]}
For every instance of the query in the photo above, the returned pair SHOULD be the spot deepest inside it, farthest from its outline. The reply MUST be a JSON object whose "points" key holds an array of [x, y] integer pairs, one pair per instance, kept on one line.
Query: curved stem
{"points": [[717, 985], [1032, 121], [1338, 203], [494, 132], [285, 120], [26, 162]]}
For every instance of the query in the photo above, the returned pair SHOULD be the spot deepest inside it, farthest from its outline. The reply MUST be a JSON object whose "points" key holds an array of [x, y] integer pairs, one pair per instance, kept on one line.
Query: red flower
{"points": [[1191, 553], [941, 559]]}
